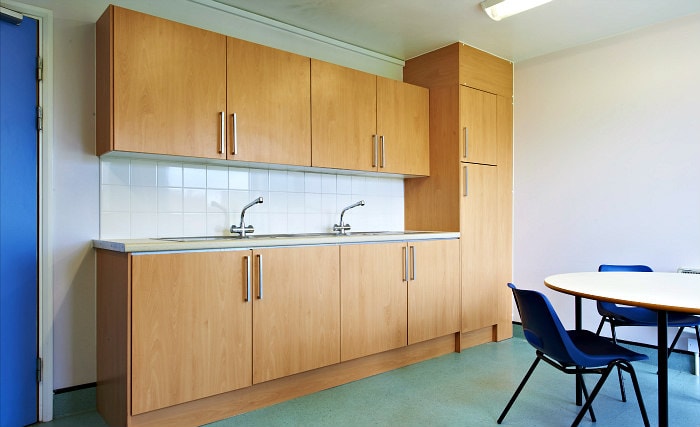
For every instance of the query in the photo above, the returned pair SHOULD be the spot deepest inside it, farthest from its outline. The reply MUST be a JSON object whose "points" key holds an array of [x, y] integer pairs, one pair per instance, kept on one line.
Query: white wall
{"points": [[76, 173], [607, 145]]}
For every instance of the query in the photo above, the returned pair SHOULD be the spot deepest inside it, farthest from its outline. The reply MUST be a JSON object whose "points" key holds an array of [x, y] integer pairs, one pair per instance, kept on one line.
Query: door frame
{"points": [[46, 206]]}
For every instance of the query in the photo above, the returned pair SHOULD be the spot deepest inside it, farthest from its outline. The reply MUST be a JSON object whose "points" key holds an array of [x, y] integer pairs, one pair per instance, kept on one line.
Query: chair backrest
{"points": [[603, 306], [615, 267], [542, 327]]}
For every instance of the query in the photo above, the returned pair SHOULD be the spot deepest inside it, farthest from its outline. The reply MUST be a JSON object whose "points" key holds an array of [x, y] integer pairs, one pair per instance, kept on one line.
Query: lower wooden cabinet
{"points": [[296, 314], [185, 328], [191, 334], [397, 294]]}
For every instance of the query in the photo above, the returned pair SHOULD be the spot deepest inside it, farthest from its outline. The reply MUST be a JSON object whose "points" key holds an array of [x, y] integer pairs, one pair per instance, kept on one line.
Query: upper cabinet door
{"points": [[403, 127], [478, 133], [269, 105], [343, 117], [169, 86]]}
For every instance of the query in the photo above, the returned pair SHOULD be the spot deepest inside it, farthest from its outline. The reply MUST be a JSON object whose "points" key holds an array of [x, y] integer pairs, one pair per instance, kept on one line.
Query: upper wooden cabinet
{"points": [[269, 105], [464, 65], [364, 122], [478, 126], [161, 86]]}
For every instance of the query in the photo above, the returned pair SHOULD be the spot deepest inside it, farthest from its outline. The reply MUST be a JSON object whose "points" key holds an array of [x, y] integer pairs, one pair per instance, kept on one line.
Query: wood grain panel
{"points": [[373, 299], [104, 95], [478, 116], [191, 335], [480, 243], [434, 69], [505, 215], [433, 203], [236, 402], [296, 323], [403, 112], [434, 289], [113, 336], [483, 71], [343, 117], [269, 90], [169, 86]]}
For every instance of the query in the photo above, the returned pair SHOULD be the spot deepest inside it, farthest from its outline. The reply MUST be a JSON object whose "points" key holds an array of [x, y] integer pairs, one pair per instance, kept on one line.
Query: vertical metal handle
{"points": [[260, 276], [235, 134], [383, 159], [466, 141], [405, 265], [413, 263], [248, 271], [374, 149], [466, 182], [222, 145]]}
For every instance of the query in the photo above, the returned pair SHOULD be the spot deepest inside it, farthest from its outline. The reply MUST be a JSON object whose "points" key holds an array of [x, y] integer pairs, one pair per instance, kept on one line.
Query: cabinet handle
{"points": [[466, 182], [374, 149], [405, 265], [413, 263], [466, 141], [248, 271], [383, 159], [260, 276], [222, 148], [235, 134]]}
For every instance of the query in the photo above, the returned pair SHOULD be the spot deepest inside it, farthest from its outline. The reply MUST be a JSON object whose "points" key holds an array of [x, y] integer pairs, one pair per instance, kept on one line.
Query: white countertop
{"points": [[303, 239]]}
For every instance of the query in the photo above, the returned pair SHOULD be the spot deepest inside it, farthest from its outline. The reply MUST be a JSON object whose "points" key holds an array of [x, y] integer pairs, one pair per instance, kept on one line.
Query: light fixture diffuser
{"points": [[499, 9]]}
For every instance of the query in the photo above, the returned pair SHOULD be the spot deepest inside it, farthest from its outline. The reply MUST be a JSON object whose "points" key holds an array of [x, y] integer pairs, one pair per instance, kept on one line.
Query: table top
{"points": [[657, 291]]}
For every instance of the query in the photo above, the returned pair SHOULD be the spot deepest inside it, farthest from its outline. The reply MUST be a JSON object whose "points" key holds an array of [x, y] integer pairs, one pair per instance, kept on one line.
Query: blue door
{"points": [[18, 222]]}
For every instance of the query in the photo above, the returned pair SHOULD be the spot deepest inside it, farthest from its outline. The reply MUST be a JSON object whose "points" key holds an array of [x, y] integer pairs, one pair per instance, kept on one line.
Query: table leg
{"points": [[578, 322], [662, 343]]}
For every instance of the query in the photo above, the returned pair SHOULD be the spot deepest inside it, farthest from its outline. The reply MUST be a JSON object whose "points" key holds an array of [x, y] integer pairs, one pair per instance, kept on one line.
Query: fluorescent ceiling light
{"points": [[499, 9]]}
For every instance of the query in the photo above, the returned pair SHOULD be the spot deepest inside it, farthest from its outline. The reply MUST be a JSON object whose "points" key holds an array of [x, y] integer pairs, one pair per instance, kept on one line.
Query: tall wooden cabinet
{"points": [[470, 187]]}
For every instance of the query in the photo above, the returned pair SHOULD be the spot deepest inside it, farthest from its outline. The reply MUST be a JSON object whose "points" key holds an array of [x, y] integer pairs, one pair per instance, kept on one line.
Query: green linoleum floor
{"points": [[466, 389]]}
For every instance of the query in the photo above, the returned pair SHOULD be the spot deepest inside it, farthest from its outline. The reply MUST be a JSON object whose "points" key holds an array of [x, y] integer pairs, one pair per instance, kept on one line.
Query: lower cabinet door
{"points": [[433, 289], [373, 298], [296, 310], [191, 327]]}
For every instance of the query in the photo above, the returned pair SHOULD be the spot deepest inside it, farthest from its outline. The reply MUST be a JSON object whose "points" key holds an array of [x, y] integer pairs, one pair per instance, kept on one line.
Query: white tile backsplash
{"points": [[145, 198]]}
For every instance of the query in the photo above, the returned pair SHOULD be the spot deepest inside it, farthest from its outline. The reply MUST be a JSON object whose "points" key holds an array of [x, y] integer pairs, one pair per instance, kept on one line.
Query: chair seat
{"points": [[599, 351]]}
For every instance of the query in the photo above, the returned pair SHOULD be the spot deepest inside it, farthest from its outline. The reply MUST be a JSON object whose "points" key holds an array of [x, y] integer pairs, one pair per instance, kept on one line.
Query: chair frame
{"points": [[567, 356], [621, 321]]}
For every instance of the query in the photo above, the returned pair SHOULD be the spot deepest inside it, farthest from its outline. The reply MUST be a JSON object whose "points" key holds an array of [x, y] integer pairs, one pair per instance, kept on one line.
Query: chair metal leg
{"points": [[596, 389], [635, 384], [585, 395], [623, 394], [600, 325], [518, 390], [675, 340]]}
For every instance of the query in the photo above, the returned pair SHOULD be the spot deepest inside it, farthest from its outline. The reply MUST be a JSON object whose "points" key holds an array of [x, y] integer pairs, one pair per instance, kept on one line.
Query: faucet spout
{"points": [[343, 228], [242, 229]]}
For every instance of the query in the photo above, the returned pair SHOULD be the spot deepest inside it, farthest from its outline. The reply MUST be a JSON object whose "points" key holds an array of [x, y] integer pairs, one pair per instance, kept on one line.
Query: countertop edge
{"points": [[155, 245]]}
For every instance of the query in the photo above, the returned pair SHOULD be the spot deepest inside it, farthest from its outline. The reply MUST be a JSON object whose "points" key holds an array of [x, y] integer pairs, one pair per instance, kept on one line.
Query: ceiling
{"points": [[403, 29]]}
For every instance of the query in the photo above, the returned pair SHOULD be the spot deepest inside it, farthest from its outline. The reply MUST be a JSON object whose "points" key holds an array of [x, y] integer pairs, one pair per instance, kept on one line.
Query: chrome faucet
{"points": [[242, 229], [343, 228]]}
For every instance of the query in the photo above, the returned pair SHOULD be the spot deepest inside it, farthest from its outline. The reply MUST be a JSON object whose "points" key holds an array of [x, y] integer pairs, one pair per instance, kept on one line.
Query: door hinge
{"points": [[39, 118], [39, 369], [39, 68]]}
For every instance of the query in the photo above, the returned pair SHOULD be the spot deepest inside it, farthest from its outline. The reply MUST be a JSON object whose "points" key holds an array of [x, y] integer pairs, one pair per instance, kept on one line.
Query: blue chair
{"points": [[619, 315], [575, 352]]}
